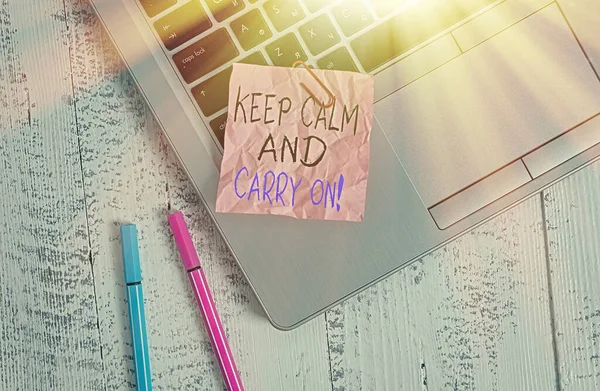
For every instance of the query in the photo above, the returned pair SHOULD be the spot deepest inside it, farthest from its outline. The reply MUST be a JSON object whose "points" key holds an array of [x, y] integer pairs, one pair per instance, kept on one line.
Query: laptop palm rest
{"points": [[462, 131]]}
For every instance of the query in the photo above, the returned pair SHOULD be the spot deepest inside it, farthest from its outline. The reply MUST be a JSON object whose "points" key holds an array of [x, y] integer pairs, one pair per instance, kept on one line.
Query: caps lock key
{"points": [[205, 55]]}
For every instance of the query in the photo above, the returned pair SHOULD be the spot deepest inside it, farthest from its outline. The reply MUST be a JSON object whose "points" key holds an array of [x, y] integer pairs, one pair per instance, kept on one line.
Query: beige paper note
{"points": [[286, 155]]}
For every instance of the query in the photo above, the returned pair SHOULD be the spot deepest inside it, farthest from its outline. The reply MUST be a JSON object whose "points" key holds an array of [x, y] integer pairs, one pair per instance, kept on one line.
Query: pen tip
{"points": [[183, 239]]}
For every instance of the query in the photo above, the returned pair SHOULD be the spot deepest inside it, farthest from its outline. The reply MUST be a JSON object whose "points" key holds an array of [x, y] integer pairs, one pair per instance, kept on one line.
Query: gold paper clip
{"points": [[327, 90]]}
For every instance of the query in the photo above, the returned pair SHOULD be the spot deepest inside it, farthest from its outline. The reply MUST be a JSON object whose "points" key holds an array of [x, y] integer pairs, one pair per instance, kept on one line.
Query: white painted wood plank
{"points": [[124, 167], [474, 315], [48, 322], [573, 219], [131, 175], [278, 360]]}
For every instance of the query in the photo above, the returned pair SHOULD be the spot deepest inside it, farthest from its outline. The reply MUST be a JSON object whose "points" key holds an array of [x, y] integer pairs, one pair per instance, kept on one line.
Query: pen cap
{"points": [[184, 241], [131, 254]]}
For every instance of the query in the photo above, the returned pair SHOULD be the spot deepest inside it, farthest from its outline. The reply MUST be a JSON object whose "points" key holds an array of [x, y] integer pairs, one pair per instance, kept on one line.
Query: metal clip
{"points": [[327, 90]]}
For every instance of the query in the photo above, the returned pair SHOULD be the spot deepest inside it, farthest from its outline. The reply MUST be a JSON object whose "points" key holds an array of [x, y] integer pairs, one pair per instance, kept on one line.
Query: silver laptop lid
{"points": [[300, 268]]}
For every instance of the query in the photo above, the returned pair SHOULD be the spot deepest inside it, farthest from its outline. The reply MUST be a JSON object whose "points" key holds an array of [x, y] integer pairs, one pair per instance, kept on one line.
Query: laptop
{"points": [[479, 104]]}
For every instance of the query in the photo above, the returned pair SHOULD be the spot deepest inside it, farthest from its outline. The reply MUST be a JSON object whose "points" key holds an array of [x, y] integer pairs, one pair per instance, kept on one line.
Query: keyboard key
{"points": [[223, 9], [212, 94], [319, 34], [352, 16], [284, 13], [155, 7], [205, 55], [218, 127], [251, 29], [385, 7], [182, 24], [285, 51], [255, 58], [338, 60], [315, 5], [410, 28]]}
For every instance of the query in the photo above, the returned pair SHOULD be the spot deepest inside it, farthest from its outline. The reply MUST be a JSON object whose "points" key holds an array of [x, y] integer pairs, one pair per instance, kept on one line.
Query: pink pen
{"points": [[205, 302]]}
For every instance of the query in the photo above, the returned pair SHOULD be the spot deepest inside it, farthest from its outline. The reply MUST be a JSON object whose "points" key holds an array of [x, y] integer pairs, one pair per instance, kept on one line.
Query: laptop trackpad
{"points": [[490, 106]]}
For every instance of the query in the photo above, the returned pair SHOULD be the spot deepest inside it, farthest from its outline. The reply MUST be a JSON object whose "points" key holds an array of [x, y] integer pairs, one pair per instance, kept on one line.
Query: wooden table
{"points": [[513, 305]]}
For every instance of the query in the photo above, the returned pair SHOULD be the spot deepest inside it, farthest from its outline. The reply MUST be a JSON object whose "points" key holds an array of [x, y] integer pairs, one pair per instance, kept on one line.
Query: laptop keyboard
{"points": [[182, 24], [223, 9], [205, 55], [204, 36], [283, 13], [251, 29], [210, 94], [155, 7], [352, 16]]}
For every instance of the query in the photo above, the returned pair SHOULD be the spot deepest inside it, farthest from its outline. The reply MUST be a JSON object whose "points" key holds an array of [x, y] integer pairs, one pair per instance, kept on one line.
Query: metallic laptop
{"points": [[479, 104]]}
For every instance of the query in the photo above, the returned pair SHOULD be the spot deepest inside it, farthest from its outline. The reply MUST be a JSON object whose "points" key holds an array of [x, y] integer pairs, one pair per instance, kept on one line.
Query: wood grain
{"points": [[473, 315], [271, 359], [80, 154], [131, 176], [572, 215], [48, 328]]}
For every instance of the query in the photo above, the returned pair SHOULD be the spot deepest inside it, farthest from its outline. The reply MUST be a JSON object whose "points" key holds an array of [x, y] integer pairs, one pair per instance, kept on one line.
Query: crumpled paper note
{"points": [[286, 155]]}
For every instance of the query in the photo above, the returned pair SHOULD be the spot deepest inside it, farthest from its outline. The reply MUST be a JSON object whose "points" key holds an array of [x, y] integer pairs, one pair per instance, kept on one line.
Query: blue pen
{"points": [[135, 297]]}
